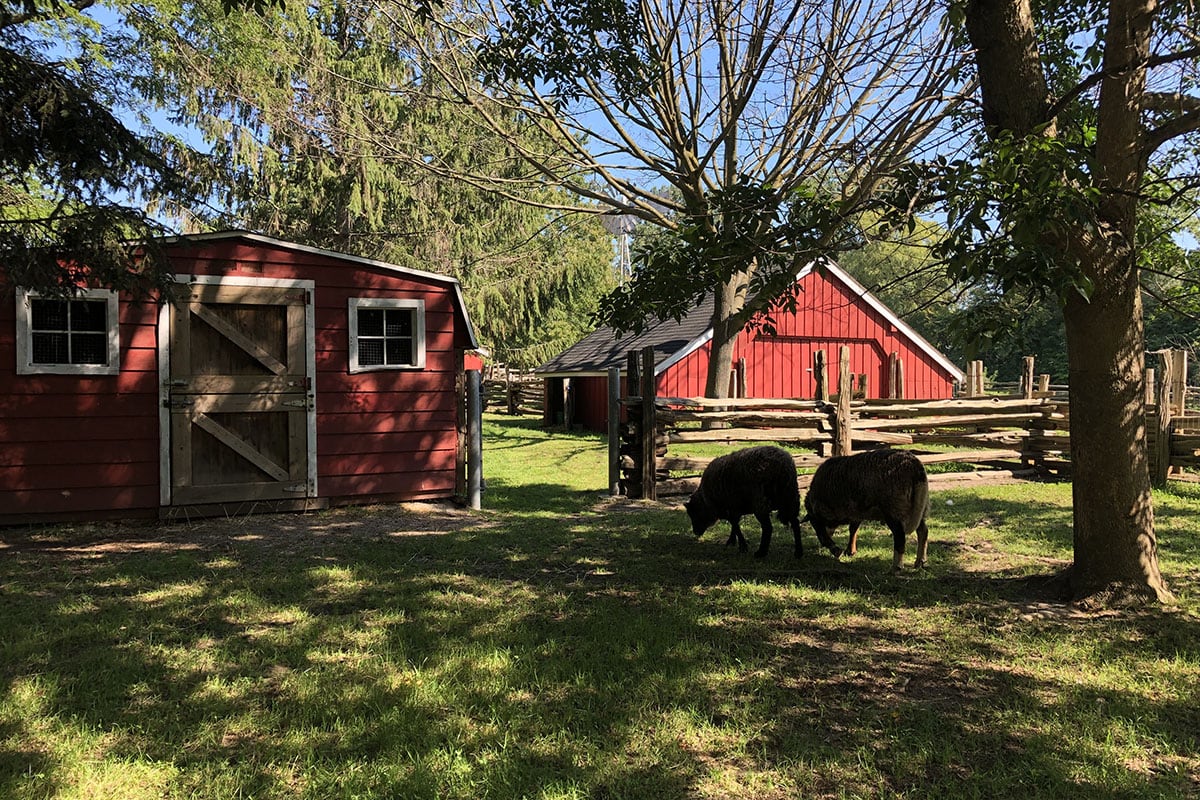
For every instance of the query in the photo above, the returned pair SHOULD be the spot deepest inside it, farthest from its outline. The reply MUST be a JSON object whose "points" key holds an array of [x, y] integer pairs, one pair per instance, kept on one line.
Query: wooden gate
{"points": [[239, 394]]}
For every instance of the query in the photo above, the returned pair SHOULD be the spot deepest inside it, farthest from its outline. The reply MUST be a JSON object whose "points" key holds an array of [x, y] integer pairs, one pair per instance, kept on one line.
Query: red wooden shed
{"points": [[278, 376], [833, 310]]}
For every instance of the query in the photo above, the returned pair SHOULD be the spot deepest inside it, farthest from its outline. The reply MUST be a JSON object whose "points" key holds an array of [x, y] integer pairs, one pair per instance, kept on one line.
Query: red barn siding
{"points": [[89, 445], [591, 402], [71, 443], [686, 378], [832, 316]]}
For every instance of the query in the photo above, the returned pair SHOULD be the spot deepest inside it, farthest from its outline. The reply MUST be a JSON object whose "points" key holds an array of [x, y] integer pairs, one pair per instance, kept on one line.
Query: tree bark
{"points": [[730, 298], [1115, 548], [1116, 554]]}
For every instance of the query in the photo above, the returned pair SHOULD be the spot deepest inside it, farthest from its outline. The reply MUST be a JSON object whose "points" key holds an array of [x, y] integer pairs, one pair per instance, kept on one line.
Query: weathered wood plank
{"points": [[745, 403], [1006, 420], [240, 446], [245, 343], [782, 419], [730, 435], [968, 456]]}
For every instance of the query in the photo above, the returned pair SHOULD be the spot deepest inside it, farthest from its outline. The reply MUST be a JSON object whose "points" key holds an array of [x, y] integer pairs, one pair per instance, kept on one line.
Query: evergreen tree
{"points": [[321, 119]]}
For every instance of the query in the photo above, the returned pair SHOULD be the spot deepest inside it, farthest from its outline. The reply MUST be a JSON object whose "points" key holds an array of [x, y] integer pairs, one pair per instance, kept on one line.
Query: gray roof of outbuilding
{"points": [[603, 349]]}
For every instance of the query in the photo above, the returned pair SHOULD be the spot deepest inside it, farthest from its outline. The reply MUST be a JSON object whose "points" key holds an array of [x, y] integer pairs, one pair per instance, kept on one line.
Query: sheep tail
{"points": [[920, 504]]}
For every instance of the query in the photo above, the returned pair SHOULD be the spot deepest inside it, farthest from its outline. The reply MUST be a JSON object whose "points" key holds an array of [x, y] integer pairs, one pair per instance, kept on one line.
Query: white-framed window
{"points": [[386, 333], [77, 335]]}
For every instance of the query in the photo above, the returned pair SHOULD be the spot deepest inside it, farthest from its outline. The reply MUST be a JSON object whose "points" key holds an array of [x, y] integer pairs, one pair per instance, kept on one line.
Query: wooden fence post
{"points": [[895, 376], [1161, 459], [1179, 359], [633, 448], [649, 428], [474, 440], [1027, 377], [460, 394], [614, 431], [975, 379], [511, 400], [821, 376], [843, 444]]}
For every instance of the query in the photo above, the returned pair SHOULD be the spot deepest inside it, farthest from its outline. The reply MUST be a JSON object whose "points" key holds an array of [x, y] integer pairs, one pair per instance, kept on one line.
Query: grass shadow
{"points": [[560, 644]]}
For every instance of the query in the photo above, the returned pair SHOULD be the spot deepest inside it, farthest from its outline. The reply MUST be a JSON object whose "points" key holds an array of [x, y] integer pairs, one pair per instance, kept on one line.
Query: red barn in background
{"points": [[833, 310], [279, 376]]}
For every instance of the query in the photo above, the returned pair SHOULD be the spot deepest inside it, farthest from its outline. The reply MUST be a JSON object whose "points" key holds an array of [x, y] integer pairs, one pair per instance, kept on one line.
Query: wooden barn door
{"points": [[239, 394]]}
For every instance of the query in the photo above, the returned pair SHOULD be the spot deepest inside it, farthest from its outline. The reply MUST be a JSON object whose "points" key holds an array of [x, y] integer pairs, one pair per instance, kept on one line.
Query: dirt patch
{"points": [[288, 531]]}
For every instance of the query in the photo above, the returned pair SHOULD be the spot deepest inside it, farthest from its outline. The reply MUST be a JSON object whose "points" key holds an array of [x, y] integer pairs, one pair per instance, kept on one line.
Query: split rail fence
{"points": [[512, 392], [1021, 436]]}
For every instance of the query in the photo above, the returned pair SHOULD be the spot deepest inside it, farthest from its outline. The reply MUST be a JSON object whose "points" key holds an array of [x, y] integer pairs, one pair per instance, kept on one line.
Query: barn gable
{"points": [[834, 310], [280, 376]]}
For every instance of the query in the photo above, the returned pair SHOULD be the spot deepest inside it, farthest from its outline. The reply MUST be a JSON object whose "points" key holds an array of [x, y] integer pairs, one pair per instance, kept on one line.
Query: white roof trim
{"points": [[684, 352], [859, 291], [318, 251]]}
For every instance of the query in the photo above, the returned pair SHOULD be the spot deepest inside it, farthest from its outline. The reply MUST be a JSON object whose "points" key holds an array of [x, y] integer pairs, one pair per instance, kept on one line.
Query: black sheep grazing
{"points": [[757, 480], [885, 485]]}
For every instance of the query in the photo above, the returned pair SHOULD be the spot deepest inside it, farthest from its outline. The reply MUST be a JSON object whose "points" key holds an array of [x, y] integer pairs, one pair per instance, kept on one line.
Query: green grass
{"points": [[562, 645]]}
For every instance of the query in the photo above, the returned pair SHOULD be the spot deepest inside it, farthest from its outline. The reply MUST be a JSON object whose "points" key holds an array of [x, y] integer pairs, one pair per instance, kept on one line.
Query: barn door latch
{"points": [[295, 403]]}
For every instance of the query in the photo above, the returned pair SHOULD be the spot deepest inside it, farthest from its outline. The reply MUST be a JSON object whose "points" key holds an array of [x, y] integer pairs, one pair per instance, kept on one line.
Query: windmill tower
{"points": [[621, 227]]}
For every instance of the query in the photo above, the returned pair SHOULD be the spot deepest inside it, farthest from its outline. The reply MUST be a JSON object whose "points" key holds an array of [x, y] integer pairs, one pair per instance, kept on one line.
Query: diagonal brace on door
{"points": [[252, 348], [240, 446]]}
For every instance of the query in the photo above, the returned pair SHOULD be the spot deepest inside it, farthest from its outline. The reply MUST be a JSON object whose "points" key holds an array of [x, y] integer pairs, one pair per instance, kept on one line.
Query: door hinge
{"points": [[296, 487], [179, 402], [295, 403]]}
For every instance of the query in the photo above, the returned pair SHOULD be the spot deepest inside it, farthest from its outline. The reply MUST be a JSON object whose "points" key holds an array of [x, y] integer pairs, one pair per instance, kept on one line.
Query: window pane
{"points": [[370, 322], [399, 323], [399, 351], [49, 348], [89, 316], [370, 352], [89, 348], [48, 315]]}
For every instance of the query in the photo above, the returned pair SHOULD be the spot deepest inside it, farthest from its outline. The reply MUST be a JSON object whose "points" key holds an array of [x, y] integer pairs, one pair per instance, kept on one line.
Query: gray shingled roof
{"points": [[603, 349]]}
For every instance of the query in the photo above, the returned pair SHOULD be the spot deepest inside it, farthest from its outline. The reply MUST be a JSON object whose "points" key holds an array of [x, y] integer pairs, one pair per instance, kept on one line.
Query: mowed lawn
{"points": [[560, 644]]}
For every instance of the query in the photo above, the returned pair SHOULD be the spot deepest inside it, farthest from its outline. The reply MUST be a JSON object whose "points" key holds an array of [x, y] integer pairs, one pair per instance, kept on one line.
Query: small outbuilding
{"points": [[833, 310], [276, 376]]}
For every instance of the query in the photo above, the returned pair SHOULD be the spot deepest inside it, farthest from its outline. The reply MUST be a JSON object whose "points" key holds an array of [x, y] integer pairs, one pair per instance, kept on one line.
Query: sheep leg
{"points": [[735, 532], [765, 521], [922, 544], [824, 537], [898, 537], [798, 537], [852, 542]]}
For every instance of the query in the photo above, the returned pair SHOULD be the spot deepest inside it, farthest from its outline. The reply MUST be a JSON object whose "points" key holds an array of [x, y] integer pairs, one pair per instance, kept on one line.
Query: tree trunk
{"points": [[730, 299], [1115, 549], [1116, 554]]}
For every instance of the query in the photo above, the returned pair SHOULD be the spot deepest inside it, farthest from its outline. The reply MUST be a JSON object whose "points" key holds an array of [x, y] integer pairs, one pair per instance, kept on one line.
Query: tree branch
{"points": [[1096, 77]]}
